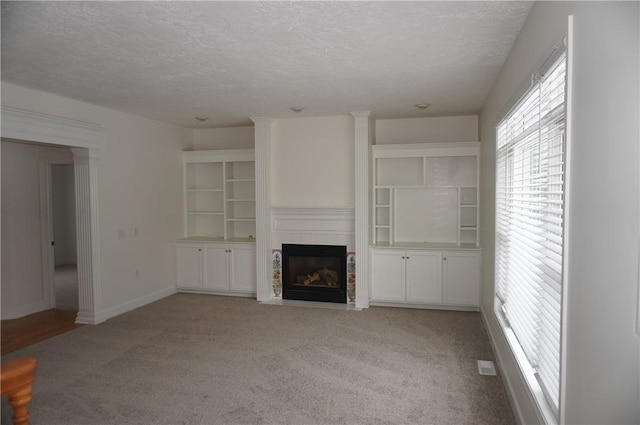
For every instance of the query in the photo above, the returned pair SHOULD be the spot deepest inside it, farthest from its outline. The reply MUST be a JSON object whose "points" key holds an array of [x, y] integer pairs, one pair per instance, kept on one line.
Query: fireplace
{"points": [[314, 273]]}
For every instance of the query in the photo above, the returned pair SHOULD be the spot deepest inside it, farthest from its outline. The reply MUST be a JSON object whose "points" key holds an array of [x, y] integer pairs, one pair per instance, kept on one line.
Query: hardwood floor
{"points": [[28, 330]]}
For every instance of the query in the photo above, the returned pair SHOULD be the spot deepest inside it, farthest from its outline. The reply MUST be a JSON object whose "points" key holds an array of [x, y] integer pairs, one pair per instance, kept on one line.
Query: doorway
{"points": [[63, 219], [84, 140]]}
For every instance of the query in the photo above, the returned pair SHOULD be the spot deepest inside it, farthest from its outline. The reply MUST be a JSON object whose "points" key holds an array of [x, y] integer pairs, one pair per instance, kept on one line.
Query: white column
{"points": [[263, 204], [362, 143], [88, 242]]}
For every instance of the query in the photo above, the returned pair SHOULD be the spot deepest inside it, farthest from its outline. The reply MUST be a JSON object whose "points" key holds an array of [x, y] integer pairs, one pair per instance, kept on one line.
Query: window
{"points": [[530, 176]]}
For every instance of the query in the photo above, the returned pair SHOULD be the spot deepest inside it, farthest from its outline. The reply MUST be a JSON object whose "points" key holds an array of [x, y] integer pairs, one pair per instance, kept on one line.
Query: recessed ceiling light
{"points": [[297, 109], [202, 119], [422, 106]]}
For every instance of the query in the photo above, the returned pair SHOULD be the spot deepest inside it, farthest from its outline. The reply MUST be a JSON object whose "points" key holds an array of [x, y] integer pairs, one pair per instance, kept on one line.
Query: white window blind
{"points": [[529, 222]]}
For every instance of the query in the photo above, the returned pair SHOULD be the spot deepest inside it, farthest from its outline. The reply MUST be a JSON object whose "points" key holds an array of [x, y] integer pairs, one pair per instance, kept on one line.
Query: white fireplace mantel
{"points": [[313, 226], [320, 225]]}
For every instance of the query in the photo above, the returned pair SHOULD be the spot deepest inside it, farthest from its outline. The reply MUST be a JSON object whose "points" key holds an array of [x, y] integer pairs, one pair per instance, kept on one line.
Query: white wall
{"points": [[427, 130], [64, 214], [140, 186], [23, 290], [602, 354], [312, 162], [223, 138]]}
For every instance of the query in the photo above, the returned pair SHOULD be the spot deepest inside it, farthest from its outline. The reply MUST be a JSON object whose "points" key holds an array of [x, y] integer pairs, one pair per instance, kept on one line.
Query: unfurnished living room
{"points": [[320, 212]]}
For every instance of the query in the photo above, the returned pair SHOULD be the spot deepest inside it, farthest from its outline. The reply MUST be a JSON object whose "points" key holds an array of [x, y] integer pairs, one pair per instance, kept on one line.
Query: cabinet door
{"points": [[215, 267], [243, 268], [424, 276], [387, 275], [461, 283], [189, 266]]}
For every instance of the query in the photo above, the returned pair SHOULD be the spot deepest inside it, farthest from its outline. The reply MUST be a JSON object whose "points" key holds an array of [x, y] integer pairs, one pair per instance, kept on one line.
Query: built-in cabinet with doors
{"points": [[217, 254], [425, 236]]}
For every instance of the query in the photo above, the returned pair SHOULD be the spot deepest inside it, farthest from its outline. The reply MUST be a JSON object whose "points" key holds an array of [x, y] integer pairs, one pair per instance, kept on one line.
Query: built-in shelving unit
{"points": [[218, 252], [426, 193], [425, 237], [220, 194]]}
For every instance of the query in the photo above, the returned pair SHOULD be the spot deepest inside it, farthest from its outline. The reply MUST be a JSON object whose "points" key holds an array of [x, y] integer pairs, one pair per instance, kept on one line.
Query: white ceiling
{"points": [[173, 61]]}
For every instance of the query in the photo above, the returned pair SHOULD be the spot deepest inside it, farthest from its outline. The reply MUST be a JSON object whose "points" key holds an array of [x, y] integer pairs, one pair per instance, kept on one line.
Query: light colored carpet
{"points": [[197, 359], [66, 282]]}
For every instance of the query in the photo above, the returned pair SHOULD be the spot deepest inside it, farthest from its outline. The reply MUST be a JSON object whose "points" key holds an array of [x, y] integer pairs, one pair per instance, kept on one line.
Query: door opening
{"points": [[63, 219]]}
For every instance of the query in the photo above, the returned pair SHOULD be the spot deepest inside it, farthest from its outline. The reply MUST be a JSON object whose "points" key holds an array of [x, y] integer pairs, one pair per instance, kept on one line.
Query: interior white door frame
{"points": [[83, 138], [46, 227]]}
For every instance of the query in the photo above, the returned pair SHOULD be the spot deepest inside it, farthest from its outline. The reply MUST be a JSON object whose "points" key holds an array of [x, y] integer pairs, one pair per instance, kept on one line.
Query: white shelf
{"points": [[220, 194], [426, 193]]}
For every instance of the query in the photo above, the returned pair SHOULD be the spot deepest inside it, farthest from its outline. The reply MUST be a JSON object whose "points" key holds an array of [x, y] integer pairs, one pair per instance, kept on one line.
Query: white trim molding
{"points": [[362, 141], [107, 314], [83, 137], [88, 240], [311, 220], [20, 124], [313, 226], [263, 200]]}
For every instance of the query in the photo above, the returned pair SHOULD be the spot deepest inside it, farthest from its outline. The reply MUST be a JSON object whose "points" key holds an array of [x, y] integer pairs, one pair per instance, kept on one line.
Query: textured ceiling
{"points": [[173, 61]]}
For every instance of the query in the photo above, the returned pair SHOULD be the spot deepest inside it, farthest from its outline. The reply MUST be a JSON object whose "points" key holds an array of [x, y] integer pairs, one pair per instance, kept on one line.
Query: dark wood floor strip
{"points": [[28, 330]]}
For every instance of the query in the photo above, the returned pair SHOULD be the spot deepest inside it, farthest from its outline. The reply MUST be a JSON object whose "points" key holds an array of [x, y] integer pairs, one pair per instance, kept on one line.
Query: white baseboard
{"points": [[373, 303], [23, 310], [66, 261], [221, 293], [101, 316], [515, 406]]}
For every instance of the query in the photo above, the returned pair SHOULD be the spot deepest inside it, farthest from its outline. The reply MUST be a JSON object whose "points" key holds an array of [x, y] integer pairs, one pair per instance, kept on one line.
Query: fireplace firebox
{"points": [[314, 273]]}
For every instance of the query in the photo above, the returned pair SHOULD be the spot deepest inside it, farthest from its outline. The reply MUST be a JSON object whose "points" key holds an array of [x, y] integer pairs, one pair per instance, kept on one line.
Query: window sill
{"points": [[545, 411]]}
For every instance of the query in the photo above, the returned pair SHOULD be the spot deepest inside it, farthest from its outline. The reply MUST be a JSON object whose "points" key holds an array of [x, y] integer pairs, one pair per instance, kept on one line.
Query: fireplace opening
{"points": [[314, 273]]}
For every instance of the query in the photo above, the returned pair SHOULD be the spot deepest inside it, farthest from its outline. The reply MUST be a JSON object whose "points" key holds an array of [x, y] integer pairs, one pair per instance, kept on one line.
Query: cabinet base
{"points": [[221, 293], [373, 303]]}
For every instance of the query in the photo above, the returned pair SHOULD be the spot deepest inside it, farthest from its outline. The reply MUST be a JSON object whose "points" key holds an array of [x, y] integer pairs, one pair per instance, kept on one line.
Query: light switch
{"points": [[121, 234]]}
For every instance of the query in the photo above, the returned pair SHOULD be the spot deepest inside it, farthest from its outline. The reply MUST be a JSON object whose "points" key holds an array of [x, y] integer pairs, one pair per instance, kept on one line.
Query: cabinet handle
{"points": [[445, 258], [407, 258], [199, 249]]}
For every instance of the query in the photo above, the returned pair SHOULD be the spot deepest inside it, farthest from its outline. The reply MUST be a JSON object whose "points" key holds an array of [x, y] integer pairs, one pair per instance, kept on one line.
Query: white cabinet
{"points": [[425, 277], [218, 268], [387, 275], [425, 194], [219, 194], [461, 278], [189, 265], [242, 268]]}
